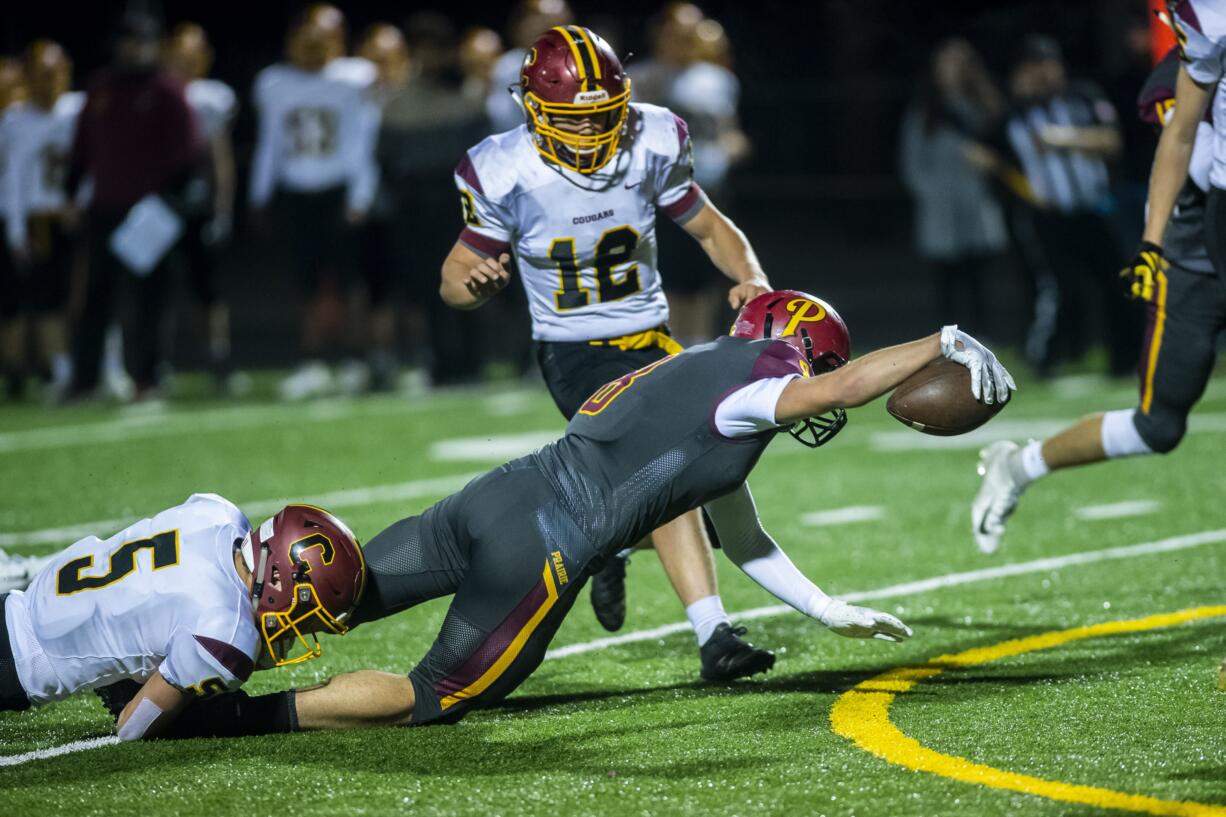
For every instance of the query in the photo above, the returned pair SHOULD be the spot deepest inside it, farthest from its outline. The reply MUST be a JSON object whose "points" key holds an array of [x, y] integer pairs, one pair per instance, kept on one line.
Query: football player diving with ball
{"points": [[516, 545]]}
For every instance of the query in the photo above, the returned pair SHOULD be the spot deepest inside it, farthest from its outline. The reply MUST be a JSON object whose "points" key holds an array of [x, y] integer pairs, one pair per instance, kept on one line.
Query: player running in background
{"points": [[517, 544], [209, 198], [574, 194], [40, 228], [1186, 303], [1177, 272], [315, 152], [176, 607]]}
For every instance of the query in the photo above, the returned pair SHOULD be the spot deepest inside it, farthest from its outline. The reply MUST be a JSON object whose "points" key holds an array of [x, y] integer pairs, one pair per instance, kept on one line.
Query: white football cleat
{"points": [[997, 497]]}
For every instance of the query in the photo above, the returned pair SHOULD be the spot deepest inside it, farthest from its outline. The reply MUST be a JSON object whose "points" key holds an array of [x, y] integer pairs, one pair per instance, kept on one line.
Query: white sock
{"points": [[1027, 463], [705, 615], [1120, 437]]}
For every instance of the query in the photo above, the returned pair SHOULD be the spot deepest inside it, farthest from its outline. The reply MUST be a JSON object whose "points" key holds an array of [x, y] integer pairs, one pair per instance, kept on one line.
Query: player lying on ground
{"points": [[516, 545], [183, 605], [1186, 304]]}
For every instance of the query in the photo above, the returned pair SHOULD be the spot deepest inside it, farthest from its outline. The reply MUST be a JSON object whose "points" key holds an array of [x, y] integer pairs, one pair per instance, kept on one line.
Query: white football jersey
{"points": [[214, 104], [38, 144], [585, 245], [1200, 26], [161, 594], [315, 132]]}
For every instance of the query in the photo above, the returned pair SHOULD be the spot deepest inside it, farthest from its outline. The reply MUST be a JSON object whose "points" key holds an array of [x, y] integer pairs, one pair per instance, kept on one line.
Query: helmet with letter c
{"points": [[308, 574]]}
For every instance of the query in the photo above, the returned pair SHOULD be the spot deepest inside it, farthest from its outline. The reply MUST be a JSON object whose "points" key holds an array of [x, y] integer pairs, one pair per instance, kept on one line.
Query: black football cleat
{"points": [[609, 594], [726, 656], [116, 696]]}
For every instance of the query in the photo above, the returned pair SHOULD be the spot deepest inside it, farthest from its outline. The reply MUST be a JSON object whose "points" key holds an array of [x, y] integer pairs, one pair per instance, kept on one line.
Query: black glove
{"points": [[1140, 277]]}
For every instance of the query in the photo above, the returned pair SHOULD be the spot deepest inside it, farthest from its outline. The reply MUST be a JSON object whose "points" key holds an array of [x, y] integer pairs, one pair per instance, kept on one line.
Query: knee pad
{"points": [[1120, 435], [1162, 428]]}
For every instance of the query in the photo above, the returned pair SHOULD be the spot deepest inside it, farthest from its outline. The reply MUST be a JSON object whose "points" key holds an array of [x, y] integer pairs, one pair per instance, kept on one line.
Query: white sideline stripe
{"points": [[1118, 510], [491, 448], [843, 516], [903, 439], [349, 498], [131, 426], [904, 589], [1174, 543], [56, 751]]}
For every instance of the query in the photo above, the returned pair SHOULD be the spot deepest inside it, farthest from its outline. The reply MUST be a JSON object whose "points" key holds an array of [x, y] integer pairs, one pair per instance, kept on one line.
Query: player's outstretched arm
{"points": [[867, 378], [752, 549], [469, 280], [730, 251], [151, 710]]}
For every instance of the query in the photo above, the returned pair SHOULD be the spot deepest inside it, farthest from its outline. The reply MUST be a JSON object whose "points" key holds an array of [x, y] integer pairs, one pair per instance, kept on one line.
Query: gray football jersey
{"points": [[644, 448]]}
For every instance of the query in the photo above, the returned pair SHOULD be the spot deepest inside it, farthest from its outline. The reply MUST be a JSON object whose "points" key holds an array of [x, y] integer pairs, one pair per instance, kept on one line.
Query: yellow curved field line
{"points": [[862, 714]]}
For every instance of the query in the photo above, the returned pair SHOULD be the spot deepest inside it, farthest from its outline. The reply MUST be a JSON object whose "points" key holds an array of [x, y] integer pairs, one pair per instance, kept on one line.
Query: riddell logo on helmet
{"points": [[589, 97]]}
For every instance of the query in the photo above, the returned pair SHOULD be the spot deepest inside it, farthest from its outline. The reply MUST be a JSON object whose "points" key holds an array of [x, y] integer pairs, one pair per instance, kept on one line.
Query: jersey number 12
{"points": [[615, 246]]}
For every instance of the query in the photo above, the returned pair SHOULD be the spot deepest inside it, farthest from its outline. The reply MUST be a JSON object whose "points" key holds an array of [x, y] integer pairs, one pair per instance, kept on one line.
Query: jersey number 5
{"points": [[165, 553], [615, 247]]}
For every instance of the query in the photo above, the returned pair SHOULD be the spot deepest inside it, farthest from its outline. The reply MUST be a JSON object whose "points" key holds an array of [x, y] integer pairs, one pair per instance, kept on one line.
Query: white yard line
{"points": [[491, 447], [1118, 510], [134, 425], [924, 585], [348, 498], [843, 516], [56, 751], [905, 589], [902, 439]]}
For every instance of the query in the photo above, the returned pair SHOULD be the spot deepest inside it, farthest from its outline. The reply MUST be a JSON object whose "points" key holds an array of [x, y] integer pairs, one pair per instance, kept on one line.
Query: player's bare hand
{"points": [[489, 277], [863, 622], [354, 216], [746, 291]]}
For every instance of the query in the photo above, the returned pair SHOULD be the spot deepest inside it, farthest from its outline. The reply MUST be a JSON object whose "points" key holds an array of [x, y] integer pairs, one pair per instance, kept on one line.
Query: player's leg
{"points": [[50, 304], [1176, 361], [685, 553], [13, 696]]}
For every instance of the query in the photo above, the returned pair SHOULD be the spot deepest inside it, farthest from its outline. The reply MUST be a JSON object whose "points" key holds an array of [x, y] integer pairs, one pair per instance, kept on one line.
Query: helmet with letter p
{"points": [[308, 574], [576, 96], [813, 328]]}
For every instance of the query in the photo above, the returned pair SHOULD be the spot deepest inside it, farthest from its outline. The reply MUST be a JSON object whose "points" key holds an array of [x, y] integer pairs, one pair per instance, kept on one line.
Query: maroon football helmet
{"points": [[813, 328], [572, 73], [309, 574]]}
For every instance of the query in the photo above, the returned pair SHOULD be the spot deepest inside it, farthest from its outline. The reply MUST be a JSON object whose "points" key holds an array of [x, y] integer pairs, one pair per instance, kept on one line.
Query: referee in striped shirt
{"points": [[1064, 134]]}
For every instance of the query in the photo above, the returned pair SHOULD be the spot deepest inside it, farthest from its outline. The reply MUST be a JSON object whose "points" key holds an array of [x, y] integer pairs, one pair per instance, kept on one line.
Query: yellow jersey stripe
{"points": [[574, 50], [513, 649], [1155, 345]]}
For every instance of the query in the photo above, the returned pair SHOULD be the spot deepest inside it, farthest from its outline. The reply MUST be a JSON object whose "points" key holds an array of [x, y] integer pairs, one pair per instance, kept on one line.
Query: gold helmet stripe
{"points": [[591, 49], [574, 50]]}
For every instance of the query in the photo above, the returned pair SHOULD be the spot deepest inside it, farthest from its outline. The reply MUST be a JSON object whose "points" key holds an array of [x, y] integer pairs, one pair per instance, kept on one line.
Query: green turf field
{"points": [[628, 729]]}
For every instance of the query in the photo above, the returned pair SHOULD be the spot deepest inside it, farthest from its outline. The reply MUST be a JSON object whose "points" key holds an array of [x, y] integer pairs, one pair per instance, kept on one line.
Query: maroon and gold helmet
{"points": [[813, 328], [571, 73], [309, 574]]}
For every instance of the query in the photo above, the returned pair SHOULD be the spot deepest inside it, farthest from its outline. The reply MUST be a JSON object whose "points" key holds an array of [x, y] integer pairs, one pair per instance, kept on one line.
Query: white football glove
{"points": [[863, 622], [990, 381]]}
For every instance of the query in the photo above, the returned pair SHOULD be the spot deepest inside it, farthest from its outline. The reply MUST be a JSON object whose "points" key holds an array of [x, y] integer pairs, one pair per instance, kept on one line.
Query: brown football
{"points": [[937, 400]]}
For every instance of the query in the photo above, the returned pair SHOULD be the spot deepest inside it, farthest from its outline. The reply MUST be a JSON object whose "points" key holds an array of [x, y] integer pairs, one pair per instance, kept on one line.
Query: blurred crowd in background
{"points": [[123, 202]]}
